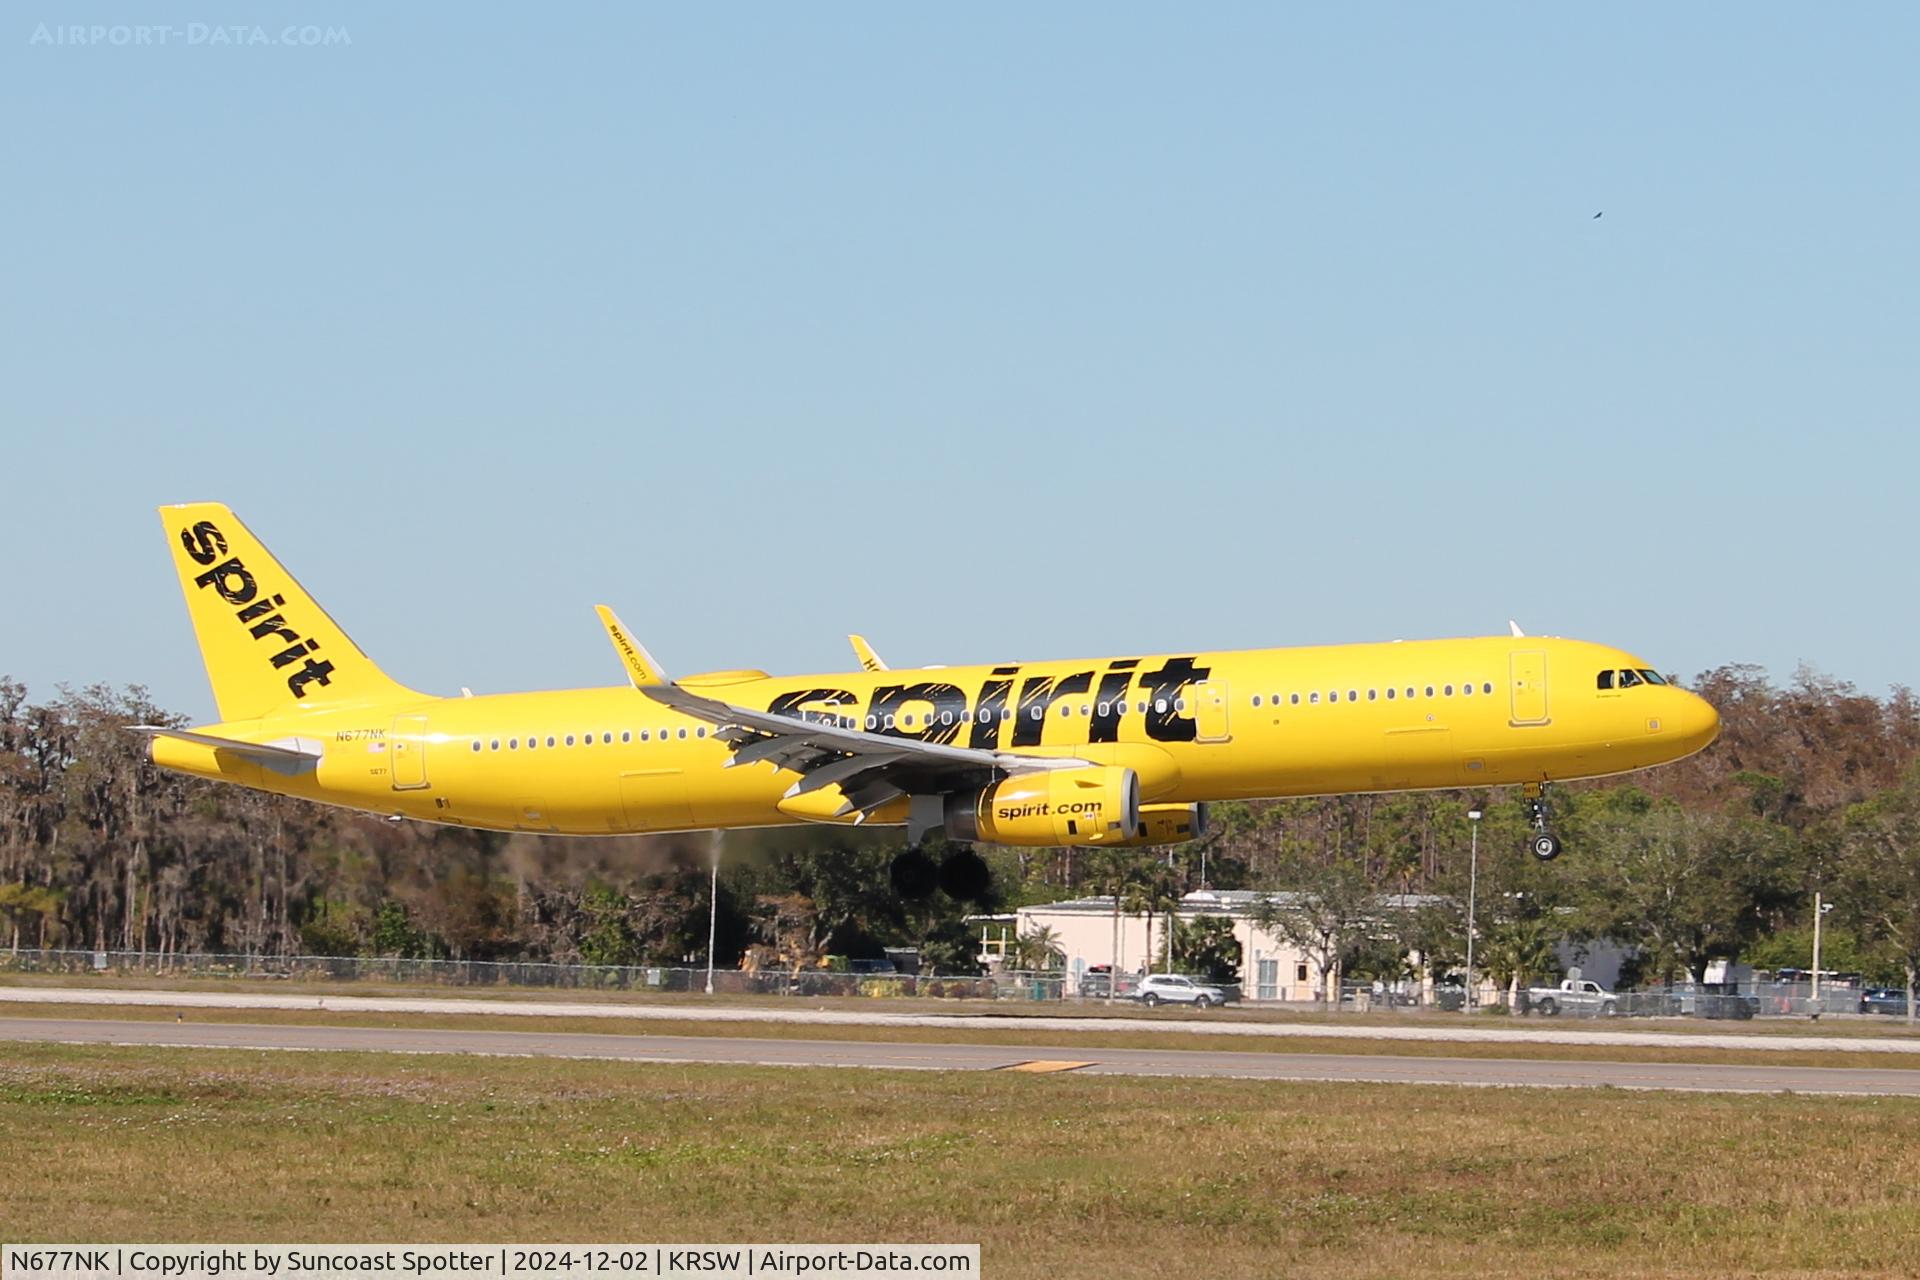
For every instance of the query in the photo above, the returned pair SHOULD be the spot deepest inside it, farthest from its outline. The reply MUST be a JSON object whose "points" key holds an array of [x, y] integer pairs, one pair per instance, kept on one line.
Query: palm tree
{"points": [[1037, 950]]}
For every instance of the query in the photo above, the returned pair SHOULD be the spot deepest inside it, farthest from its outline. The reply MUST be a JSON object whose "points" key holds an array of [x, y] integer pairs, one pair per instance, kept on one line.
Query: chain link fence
{"points": [[513, 973], [1717, 1001]]}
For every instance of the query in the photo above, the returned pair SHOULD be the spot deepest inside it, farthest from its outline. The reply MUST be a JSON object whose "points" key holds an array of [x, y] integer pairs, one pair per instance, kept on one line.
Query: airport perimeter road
{"points": [[978, 1057], [1358, 1028]]}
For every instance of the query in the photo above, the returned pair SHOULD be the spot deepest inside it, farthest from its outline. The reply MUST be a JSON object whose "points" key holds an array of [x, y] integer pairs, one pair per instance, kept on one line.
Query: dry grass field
{"points": [[1054, 1176]]}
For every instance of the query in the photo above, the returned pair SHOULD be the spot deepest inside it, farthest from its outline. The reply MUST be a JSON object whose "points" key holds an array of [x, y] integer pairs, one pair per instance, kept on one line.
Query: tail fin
{"points": [[266, 644]]}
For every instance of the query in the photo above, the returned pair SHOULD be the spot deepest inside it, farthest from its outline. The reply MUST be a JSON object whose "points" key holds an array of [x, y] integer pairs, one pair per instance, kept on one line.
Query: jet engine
{"points": [[1096, 805], [1170, 824]]}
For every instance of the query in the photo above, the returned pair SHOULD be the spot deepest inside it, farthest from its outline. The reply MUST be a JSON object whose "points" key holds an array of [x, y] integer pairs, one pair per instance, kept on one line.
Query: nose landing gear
{"points": [[1543, 844]]}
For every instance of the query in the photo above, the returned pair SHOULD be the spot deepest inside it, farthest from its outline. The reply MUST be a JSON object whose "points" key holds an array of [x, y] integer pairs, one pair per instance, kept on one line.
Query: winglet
{"points": [[641, 668], [1518, 634], [869, 660]]}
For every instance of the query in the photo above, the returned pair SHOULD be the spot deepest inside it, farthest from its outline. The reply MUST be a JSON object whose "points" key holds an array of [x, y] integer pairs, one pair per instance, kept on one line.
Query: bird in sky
{"points": [[1598, 214]]}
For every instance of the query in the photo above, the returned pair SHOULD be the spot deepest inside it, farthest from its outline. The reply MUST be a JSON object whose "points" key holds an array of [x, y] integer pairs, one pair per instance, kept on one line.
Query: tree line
{"points": [[1812, 786]]}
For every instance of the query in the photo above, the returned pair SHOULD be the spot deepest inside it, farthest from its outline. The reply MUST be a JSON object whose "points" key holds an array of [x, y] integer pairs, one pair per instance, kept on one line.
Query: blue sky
{"points": [[989, 333]]}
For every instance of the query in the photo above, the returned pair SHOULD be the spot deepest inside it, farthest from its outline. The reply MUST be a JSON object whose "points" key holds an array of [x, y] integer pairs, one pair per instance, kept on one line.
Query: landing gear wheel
{"points": [[1544, 844], [965, 876], [913, 875]]}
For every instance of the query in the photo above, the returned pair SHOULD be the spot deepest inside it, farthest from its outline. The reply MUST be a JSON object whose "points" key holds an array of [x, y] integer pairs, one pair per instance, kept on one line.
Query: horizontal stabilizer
{"points": [[290, 756]]}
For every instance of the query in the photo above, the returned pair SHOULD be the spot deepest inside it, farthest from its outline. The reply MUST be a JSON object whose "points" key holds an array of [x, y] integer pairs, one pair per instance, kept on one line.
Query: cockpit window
{"points": [[1652, 677], [1628, 679], [1606, 680]]}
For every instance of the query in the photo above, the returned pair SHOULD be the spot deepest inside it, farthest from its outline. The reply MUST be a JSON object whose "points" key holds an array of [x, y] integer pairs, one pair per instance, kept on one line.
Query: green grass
{"points": [[1056, 1176]]}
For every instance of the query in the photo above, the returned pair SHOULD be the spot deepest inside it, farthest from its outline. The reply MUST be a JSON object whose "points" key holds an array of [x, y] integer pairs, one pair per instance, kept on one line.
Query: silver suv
{"points": [[1174, 988]]}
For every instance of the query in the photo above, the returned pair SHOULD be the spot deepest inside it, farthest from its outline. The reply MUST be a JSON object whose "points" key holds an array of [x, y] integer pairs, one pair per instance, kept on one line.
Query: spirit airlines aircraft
{"points": [[1108, 751]]}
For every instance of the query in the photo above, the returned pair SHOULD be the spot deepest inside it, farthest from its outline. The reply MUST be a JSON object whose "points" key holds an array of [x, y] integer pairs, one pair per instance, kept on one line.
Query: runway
{"points": [[1343, 1068]]}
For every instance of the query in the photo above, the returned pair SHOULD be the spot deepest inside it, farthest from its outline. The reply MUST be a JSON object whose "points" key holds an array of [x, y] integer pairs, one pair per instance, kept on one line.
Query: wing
{"points": [[871, 769], [869, 660]]}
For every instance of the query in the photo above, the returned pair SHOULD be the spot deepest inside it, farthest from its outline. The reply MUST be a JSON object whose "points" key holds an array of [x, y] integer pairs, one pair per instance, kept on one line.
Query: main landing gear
{"points": [[1543, 844], [963, 874]]}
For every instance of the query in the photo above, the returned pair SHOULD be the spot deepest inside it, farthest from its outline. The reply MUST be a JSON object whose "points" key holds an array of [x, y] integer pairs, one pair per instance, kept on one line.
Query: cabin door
{"points": [[1528, 669], [407, 752]]}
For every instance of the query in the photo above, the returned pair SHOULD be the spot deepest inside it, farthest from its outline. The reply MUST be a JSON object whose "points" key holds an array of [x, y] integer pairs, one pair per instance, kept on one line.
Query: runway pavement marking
{"points": [[661, 1012], [1042, 1066]]}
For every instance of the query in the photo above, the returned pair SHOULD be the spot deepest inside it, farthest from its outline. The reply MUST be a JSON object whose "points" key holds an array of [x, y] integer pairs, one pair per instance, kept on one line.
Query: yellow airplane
{"points": [[1108, 751]]}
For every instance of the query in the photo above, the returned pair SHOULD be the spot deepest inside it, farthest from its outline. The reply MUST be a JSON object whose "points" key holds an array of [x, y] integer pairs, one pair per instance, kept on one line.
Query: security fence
{"points": [[514, 973], [1728, 1001]]}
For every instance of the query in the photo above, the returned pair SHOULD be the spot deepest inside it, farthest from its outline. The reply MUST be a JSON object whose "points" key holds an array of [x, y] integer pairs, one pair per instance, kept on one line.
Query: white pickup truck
{"points": [[1575, 995]]}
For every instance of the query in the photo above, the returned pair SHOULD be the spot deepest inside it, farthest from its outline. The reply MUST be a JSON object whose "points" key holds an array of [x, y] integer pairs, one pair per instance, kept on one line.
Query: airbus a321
{"points": [[1100, 752]]}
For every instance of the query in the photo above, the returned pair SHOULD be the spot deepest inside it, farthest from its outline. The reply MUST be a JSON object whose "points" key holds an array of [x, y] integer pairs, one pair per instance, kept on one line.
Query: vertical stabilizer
{"points": [[266, 643]]}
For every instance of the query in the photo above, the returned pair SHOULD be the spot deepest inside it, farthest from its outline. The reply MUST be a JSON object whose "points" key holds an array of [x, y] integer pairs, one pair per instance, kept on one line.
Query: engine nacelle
{"points": [[1095, 805], [1170, 824]]}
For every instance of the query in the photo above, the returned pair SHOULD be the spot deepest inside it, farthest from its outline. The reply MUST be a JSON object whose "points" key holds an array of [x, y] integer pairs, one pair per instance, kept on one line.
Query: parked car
{"points": [[1175, 988], [1575, 995], [1719, 1000], [1891, 1000]]}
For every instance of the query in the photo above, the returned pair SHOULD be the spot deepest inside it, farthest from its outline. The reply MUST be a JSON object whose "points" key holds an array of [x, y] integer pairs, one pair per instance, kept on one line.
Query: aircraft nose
{"points": [[1699, 723]]}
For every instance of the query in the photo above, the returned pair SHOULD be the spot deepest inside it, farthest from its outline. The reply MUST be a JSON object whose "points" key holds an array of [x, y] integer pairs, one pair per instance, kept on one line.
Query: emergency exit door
{"points": [[407, 753], [1210, 711], [1528, 669]]}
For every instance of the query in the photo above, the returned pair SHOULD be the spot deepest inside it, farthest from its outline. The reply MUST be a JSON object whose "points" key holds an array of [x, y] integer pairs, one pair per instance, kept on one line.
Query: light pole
{"points": [[1820, 909], [713, 910], [1473, 889]]}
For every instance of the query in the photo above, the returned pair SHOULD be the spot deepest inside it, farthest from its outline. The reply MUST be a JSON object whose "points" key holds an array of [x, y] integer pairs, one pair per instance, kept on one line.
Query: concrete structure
{"points": [[1271, 968]]}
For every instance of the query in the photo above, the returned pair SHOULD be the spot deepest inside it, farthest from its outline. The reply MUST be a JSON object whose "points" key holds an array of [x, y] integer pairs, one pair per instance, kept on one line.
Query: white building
{"points": [[1271, 968]]}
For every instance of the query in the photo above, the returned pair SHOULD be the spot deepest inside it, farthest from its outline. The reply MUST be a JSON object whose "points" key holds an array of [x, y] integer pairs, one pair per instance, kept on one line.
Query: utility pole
{"points": [[713, 910], [1820, 909], [1473, 889]]}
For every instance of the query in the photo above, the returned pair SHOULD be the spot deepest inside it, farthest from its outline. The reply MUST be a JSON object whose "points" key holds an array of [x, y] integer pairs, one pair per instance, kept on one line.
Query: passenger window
{"points": [[683, 732], [549, 739], [1295, 699], [1605, 681], [1353, 695], [1448, 691], [626, 735], [1389, 693], [1487, 687], [1466, 689], [1373, 695], [1429, 691], [513, 744], [1409, 691], [496, 745], [476, 744], [1160, 706], [1180, 704], [569, 739], [1313, 697], [1333, 695], [606, 739], [1256, 699], [1065, 711]]}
